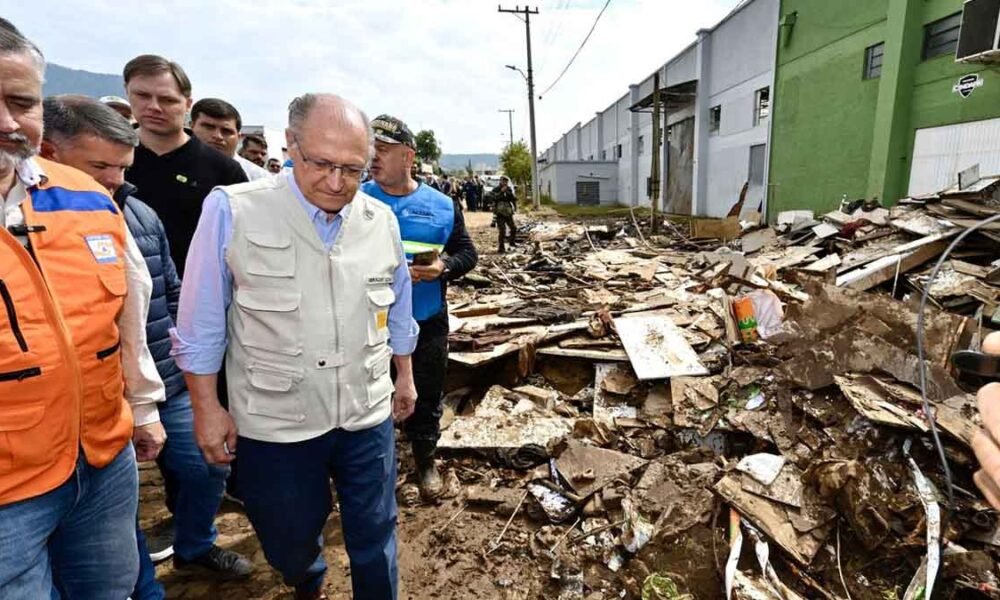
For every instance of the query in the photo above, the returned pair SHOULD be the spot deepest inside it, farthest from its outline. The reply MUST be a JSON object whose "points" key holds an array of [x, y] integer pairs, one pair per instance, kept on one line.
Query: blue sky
{"points": [[437, 64]]}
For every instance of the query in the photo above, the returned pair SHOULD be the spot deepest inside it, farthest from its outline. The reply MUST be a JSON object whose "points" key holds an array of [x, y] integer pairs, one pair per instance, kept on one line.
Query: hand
{"points": [[405, 399], [429, 272], [148, 441], [985, 444], [215, 432]]}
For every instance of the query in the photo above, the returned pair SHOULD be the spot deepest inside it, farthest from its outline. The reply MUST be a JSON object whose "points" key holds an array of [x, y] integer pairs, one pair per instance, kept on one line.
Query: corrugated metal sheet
{"points": [[939, 153]]}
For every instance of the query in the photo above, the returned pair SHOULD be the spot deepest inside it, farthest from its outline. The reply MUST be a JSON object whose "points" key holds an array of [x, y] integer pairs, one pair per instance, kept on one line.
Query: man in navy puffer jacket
{"points": [[89, 136]]}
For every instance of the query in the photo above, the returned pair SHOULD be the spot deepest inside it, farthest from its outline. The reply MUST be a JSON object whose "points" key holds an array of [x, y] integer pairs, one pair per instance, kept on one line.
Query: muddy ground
{"points": [[442, 548]]}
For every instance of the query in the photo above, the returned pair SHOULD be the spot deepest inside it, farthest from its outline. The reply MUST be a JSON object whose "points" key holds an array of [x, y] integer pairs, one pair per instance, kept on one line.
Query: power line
{"points": [[584, 43], [552, 33]]}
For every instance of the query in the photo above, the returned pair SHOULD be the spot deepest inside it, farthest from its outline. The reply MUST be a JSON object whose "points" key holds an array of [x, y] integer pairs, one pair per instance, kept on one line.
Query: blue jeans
{"points": [[286, 491], [194, 492], [77, 540]]}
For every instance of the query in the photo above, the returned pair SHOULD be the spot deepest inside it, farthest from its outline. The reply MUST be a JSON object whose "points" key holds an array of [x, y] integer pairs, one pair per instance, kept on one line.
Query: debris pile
{"points": [[676, 416]]}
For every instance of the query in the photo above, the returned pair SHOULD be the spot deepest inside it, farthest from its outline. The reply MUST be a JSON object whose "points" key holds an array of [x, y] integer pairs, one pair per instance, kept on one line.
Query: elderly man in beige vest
{"points": [[301, 283]]}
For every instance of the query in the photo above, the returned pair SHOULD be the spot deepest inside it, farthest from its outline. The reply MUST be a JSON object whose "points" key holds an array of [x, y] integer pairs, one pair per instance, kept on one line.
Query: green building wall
{"points": [[835, 133]]}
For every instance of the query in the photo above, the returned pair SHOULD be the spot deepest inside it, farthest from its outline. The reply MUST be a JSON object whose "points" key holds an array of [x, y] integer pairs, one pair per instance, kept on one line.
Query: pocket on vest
{"points": [[379, 382], [22, 442], [273, 393], [380, 300], [270, 254], [270, 319]]}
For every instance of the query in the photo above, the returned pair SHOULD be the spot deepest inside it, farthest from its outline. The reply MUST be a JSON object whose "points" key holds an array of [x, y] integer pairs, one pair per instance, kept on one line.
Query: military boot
{"points": [[428, 477]]}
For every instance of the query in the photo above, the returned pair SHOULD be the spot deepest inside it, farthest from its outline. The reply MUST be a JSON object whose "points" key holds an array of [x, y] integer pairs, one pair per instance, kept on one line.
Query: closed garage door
{"points": [[939, 153], [588, 193]]}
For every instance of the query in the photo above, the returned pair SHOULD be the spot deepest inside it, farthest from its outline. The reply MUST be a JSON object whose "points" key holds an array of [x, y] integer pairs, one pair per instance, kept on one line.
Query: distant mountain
{"points": [[480, 162], [62, 80]]}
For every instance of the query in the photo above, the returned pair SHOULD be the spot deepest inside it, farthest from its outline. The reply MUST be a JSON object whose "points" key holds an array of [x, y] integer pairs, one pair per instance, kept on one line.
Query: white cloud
{"points": [[438, 64]]}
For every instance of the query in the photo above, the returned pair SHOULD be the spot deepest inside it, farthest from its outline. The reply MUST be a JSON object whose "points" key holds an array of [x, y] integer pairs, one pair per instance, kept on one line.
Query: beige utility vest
{"points": [[308, 328]]}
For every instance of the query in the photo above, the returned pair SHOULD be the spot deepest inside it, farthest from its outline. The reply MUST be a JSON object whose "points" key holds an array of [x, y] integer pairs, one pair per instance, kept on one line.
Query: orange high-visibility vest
{"points": [[61, 383]]}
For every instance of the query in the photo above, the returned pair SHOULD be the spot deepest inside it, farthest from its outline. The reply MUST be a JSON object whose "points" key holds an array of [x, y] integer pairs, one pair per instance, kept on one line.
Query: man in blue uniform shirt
{"points": [[439, 249]]}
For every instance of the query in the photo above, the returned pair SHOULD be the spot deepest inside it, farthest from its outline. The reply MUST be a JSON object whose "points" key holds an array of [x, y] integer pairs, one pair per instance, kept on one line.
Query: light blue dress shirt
{"points": [[201, 335]]}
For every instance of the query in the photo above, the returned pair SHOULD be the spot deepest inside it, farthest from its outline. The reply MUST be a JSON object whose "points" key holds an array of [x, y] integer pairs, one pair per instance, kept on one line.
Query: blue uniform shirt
{"points": [[426, 218]]}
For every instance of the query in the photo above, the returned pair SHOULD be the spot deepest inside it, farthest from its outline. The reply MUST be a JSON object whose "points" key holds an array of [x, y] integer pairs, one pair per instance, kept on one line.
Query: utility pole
{"points": [[654, 175], [527, 12], [510, 122]]}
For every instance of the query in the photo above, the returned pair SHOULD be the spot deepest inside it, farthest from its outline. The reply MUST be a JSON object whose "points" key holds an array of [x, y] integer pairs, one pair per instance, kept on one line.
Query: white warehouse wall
{"points": [[563, 177], [741, 62]]}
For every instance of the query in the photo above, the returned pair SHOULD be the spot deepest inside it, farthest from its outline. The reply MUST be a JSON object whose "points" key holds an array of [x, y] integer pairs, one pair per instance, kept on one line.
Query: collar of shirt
{"points": [[326, 228], [29, 172]]}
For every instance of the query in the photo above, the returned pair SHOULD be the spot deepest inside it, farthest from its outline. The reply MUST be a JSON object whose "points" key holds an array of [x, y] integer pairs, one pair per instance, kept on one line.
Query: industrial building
{"points": [[872, 103], [804, 102], [725, 76]]}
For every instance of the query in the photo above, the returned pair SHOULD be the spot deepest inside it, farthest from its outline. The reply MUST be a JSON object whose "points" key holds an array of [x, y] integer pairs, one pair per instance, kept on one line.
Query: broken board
{"points": [[589, 469], [775, 520], [657, 348]]}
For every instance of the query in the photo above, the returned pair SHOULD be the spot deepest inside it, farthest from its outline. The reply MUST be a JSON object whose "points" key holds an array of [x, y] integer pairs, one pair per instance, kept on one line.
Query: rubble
{"points": [[589, 462], [618, 356]]}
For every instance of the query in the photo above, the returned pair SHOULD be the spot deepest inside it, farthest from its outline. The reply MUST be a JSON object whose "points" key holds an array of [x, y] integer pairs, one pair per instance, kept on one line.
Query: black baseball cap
{"points": [[390, 130]]}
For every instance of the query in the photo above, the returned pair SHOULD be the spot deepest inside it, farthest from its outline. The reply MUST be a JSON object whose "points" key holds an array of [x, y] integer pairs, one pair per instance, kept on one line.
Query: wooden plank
{"points": [[970, 223], [885, 269], [657, 348], [965, 268], [824, 264], [972, 208], [606, 355], [720, 229], [475, 359]]}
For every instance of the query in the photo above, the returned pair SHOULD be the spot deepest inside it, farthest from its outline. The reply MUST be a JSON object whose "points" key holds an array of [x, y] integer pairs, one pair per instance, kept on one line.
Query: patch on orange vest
{"points": [[102, 247]]}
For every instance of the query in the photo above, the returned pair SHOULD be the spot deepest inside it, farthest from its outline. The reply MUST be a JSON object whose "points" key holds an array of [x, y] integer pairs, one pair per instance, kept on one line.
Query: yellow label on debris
{"points": [[382, 319]]}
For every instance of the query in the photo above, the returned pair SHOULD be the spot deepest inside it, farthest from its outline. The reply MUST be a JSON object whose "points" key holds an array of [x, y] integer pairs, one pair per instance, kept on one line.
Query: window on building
{"points": [[619, 149], [941, 37], [714, 120], [642, 145], [873, 61], [762, 104]]}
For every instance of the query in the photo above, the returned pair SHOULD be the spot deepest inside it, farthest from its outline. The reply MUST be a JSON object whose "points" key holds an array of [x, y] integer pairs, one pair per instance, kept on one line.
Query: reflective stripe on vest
{"points": [[60, 369]]}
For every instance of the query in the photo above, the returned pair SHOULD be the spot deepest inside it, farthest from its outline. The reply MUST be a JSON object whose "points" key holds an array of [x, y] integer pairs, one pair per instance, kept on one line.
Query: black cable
{"points": [[584, 43], [928, 413]]}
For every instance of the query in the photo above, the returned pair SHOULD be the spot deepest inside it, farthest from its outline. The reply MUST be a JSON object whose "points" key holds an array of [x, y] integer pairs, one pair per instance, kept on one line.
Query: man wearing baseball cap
{"points": [[120, 105], [439, 249]]}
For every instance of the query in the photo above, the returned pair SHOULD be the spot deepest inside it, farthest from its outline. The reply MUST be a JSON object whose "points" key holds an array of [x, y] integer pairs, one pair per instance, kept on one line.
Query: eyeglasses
{"points": [[350, 172]]}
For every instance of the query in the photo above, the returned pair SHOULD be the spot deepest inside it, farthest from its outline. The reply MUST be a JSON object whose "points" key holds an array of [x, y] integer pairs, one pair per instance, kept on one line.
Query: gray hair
{"points": [[301, 106], [12, 42], [69, 116]]}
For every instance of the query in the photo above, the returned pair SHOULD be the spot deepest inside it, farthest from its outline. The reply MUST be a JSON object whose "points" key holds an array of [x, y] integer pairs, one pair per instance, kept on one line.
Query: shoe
{"points": [[428, 478], [224, 562], [160, 540]]}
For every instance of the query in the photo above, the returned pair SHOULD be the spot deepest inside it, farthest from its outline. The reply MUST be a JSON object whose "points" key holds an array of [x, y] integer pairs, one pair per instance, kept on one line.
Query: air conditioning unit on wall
{"points": [[979, 40]]}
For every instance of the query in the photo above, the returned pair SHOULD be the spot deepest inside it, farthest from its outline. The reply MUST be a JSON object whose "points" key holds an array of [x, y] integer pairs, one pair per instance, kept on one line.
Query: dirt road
{"points": [[435, 561]]}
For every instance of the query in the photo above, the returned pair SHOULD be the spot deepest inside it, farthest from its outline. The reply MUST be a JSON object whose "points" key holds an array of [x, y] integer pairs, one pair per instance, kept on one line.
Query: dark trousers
{"points": [[286, 491], [505, 223], [430, 363], [193, 493]]}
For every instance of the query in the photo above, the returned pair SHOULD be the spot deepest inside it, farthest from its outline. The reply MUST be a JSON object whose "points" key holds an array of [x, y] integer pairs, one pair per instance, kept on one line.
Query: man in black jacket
{"points": [[93, 138]]}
